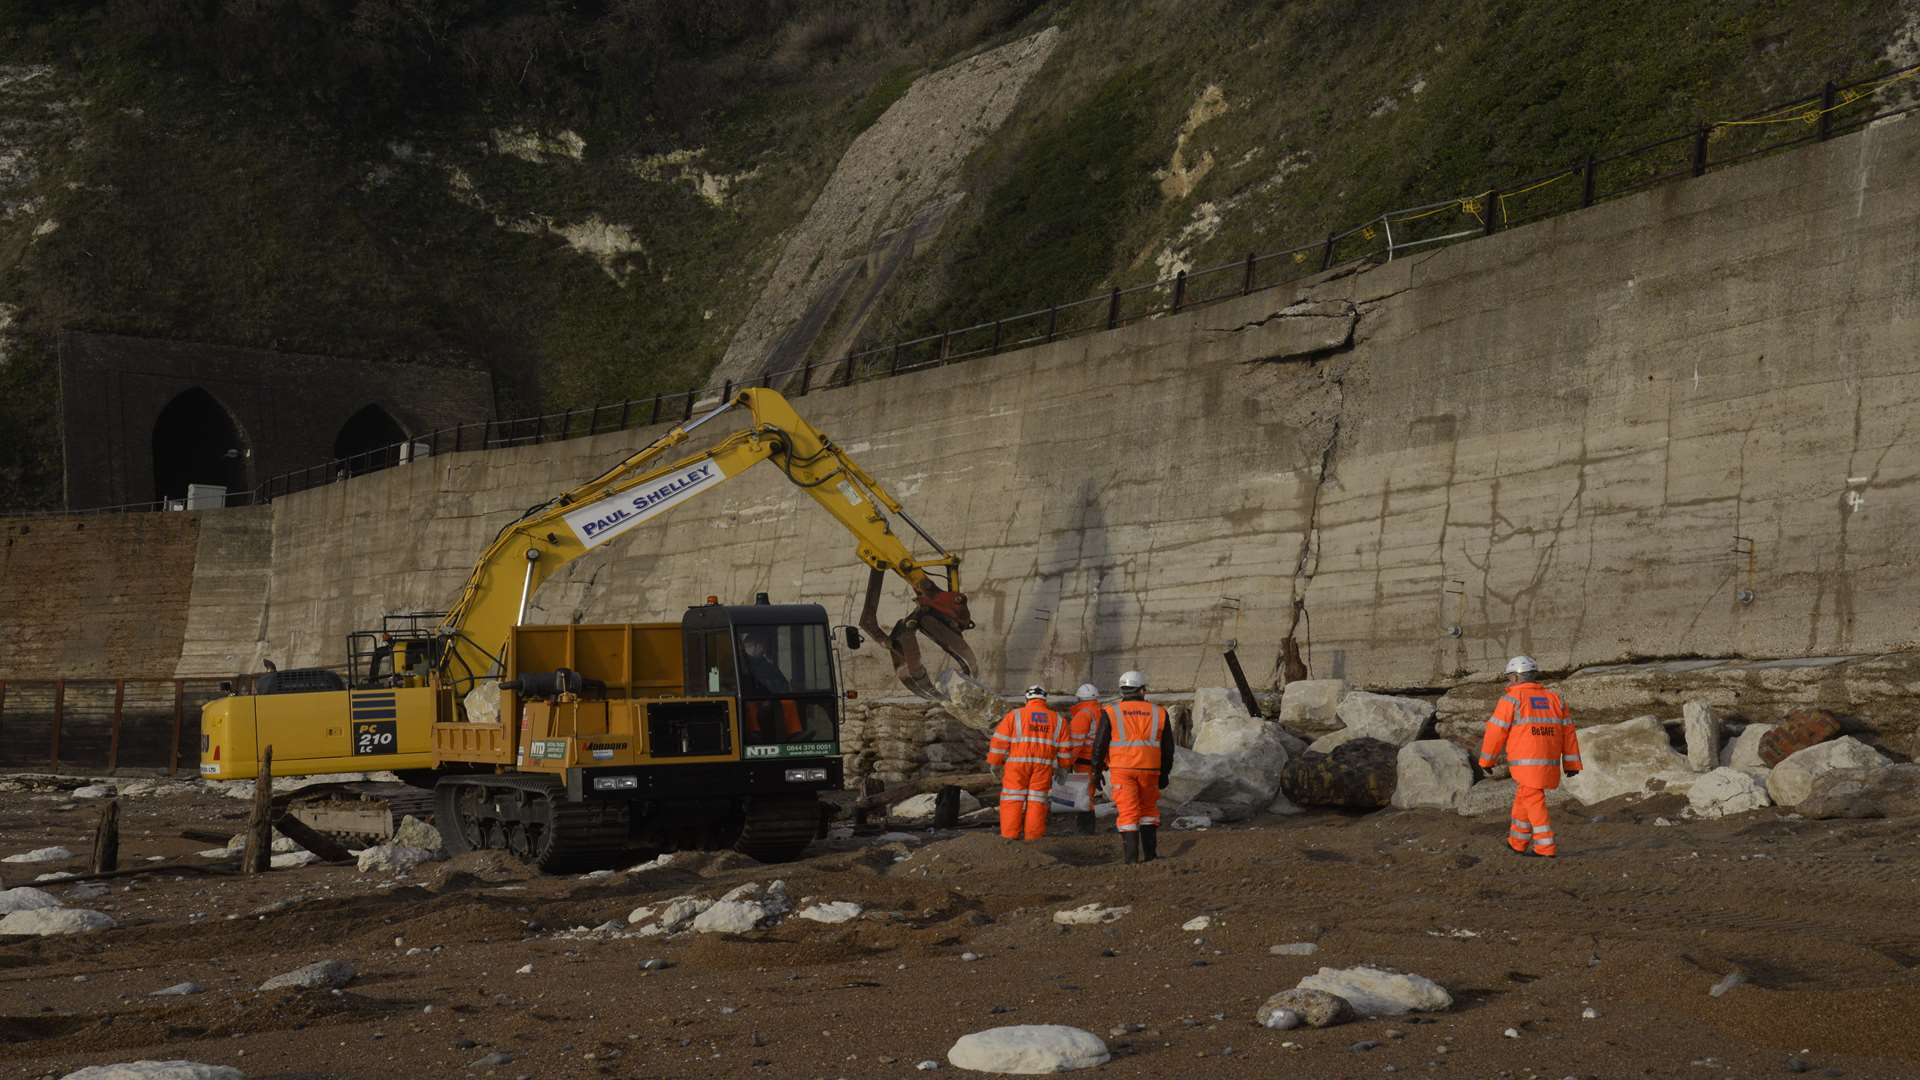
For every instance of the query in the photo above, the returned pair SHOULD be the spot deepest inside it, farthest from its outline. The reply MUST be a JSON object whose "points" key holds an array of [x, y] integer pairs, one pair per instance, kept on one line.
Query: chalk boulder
{"points": [[1743, 750], [1893, 791], [832, 912], [415, 833], [40, 855], [1395, 720], [26, 898], [1432, 774], [919, 809], [1028, 1049], [1378, 992], [395, 858], [1792, 780], [47, 922], [319, 975], [732, 917], [1488, 797], [1236, 762], [1619, 759], [1729, 791], [1703, 731], [1311, 705], [157, 1070], [1089, 915]]}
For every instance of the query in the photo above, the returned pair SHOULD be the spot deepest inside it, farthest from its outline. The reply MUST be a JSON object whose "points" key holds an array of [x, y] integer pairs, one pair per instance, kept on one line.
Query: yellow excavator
{"points": [[563, 744]]}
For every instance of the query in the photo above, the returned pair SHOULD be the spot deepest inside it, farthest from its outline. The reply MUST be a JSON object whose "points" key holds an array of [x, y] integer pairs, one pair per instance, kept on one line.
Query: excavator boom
{"points": [[550, 535]]}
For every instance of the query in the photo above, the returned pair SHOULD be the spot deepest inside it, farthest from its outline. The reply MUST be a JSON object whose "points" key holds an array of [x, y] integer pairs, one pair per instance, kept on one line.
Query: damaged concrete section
{"points": [[1301, 332]]}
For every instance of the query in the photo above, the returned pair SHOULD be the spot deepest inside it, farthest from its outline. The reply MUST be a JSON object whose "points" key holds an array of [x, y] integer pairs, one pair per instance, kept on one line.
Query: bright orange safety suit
{"points": [[1531, 724], [1135, 743], [1030, 742], [1080, 725]]}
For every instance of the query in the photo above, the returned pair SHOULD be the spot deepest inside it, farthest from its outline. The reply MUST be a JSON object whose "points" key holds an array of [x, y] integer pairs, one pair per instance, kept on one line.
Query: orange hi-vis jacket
{"points": [[1531, 724], [1080, 725], [1033, 734], [1139, 730]]}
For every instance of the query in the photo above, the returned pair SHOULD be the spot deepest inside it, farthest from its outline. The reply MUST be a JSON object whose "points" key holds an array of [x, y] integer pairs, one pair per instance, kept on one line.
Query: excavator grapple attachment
{"points": [[938, 613]]}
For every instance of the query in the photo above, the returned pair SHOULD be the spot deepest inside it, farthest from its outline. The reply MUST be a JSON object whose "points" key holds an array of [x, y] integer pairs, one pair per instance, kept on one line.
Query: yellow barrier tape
{"points": [[1808, 114]]}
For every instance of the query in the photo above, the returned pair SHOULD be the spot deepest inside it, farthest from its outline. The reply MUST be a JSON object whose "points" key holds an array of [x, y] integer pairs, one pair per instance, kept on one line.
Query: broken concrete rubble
{"points": [[1872, 792], [1727, 791], [1394, 720], [1310, 706], [1702, 729], [1432, 774]]}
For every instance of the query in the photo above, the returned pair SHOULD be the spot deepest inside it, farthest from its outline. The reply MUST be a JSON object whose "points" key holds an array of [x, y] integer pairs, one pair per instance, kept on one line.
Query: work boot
{"points": [[1149, 843], [1130, 847], [1083, 820]]}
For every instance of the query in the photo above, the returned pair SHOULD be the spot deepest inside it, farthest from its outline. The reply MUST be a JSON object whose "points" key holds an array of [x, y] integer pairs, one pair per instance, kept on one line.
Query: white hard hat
{"points": [[1521, 665], [1088, 691], [1133, 680], [1036, 691]]}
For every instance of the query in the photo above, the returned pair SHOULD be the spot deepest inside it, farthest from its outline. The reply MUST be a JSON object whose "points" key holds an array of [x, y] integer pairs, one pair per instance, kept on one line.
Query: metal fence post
{"points": [[626, 414], [996, 335], [1586, 182], [1053, 320], [1493, 205], [656, 410], [1326, 257], [1700, 138], [1246, 280], [540, 429], [1179, 290], [1827, 95], [179, 717], [944, 335], [690, 392], [726, 391], [895, 369], [119, 707], [59, 714], [1113, 309], [806, 376]]}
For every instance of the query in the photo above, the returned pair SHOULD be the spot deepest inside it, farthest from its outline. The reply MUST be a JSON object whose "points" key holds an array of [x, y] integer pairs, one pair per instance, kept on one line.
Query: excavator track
{"points": [[530, 818], [778, 828], [356, 814]]}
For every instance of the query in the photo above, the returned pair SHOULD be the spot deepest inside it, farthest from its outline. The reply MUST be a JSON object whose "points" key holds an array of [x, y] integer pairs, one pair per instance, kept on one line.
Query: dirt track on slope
{"points": [[1634, 920]]}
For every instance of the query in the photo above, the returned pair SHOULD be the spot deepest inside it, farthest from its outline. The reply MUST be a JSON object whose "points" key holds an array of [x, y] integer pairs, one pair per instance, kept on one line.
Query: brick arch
{"points": [[197, 439]]}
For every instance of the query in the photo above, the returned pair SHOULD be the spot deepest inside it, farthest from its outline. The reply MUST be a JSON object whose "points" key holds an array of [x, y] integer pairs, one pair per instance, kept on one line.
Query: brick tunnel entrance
{"points": [[369, 440], [195, 441]]}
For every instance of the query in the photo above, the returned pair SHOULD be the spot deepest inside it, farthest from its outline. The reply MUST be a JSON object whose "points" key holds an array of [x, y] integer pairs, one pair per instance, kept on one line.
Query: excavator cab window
{"points": [[777, 659]]}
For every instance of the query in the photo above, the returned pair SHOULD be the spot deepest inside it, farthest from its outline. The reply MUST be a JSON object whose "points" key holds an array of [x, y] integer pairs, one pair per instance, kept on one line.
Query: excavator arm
{"points": [[554, 533]]}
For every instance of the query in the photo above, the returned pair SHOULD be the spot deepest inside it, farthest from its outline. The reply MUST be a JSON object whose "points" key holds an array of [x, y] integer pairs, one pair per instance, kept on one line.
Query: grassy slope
{"points": [[201, 208]]}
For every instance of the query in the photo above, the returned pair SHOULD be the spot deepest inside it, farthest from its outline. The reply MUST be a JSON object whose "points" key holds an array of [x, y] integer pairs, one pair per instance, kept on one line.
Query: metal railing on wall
{"points": [[151, 725], [1833, 110]]}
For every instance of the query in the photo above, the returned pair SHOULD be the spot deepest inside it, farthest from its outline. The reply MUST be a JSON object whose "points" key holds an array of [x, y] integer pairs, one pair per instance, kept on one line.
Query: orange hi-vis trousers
{"points": [[1024, 790], [1530, 824], [1136, 795]]}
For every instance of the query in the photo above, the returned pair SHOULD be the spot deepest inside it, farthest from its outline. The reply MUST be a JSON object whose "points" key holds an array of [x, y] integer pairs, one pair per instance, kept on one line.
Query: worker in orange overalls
{"points": [[1030, 742], [1080, 724], [1531, 724], [1133, 742]]}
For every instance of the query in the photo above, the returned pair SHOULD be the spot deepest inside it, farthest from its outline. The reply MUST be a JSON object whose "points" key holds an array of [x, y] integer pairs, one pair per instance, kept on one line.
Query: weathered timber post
{"points": [[258, 855]]}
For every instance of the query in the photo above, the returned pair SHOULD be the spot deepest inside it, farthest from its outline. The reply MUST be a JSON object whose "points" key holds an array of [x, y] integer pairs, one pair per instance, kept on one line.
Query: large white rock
{"points": [[672, 916], [44, 922], [1395, 720], [394, 858], [1488, 797], [1743, 750], [969, 701], [1619, 759], [157, 1070], [1235, 762], [26, 898], [1028, 1049], [1729, 791], [831, 912], [292, 860], [94, 791], [772, 896], [319, 975], [1377, 992], [919, 809], [1792, 780], [1311, 705], [1432, 774], [1211, 703], [416, 833], [732, 917], [39, 855], [1702, 729], [1889, 791]]}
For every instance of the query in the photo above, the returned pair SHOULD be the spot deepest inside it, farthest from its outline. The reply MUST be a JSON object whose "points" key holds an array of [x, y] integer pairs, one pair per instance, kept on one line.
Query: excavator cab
{"points": [[777, 661]]}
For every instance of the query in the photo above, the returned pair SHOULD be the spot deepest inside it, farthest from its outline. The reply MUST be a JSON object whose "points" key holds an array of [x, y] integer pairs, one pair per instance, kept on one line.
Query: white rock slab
{"points": [[1377, 992], [1029, 1049], [46, 922], [1792, 780]]}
